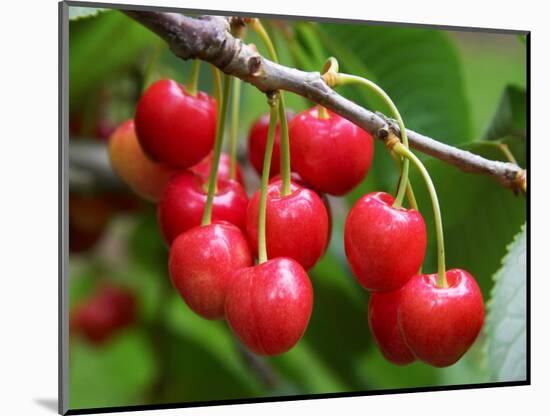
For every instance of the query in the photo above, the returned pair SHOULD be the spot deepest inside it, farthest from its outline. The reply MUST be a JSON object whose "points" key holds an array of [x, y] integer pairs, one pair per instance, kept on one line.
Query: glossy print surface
{"points": [[182, 204], [384, 246], [383, 313], [297, 225], [333, 155], [145, 177], [440, 324], [174, 127], [202, 263], [203, 168], [268, 306]]}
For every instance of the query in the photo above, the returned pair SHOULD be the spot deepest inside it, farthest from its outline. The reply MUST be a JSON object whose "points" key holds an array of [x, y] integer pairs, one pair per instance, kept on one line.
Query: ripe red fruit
{"points": [[268, 306], [333, 155], [383, 312], [111, 309], [257, 141], [202, 264], [145, 177], [296, 178], [297, 225], [181, 206], [203, 168], [385, 246], [175, 127], [440, 324]]}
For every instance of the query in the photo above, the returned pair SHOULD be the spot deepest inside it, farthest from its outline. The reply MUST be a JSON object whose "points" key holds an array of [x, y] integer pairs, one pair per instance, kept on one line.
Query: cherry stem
{"points": [[235, 104], [410, 194], [400, 149], [149, 69], [273, 102], [343, 79], [257, 26], [217, 84], [192, 86], [212, 177], [322, 112]]}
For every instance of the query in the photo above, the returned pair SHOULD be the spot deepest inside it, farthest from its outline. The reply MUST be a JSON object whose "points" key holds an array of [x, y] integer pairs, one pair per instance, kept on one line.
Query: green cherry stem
{"points": [[151, 64], [222, 113], [273, 102], [343, 79], [235, 104], [322, 112], [192, 86], [285, 149], [216, 74], [400, 149], [410, 194], [257, 26]]}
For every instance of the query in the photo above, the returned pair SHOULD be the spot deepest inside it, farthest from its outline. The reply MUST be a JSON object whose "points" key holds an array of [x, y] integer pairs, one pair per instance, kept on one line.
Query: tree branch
{"points": [[208, 38]]}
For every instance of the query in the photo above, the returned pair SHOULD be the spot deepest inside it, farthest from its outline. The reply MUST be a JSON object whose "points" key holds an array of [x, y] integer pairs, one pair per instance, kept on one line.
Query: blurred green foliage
{"points": [[446, 86]]}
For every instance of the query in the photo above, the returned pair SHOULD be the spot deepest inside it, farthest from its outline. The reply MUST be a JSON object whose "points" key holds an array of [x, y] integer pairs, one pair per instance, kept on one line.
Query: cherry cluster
{"points": [[411, 315], [171, 154], [165, 155], [99, 317]]}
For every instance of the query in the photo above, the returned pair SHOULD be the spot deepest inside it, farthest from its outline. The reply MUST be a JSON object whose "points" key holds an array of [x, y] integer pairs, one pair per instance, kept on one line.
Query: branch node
{"points": [[255, 66], [519, 184], [383, 133]]}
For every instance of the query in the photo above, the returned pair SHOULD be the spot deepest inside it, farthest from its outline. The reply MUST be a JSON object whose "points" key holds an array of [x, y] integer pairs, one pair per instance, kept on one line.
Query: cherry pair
{"points": [[331, 154], [410, 315], [211, 266], [109, 310]]}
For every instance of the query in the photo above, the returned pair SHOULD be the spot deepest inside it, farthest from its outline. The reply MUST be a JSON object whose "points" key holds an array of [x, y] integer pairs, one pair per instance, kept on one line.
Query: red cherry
{"points": [[268, 306], [202, 264], [383, 308], [175, 127], [297, 225], [203, 168], [121, 301], [94, 322], [440, 324], [145, 177], [385, 246], [296, 178], [109, 310], [181, 206], [333, 155], [257, 141]]}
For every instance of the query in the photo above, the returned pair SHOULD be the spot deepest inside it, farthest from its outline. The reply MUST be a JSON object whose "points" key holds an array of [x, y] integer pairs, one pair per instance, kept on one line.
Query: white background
{"points": [[28, 228]]}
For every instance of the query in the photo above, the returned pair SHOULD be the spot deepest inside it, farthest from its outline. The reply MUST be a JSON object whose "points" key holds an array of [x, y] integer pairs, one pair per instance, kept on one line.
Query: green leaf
{"points": [[116, 373], [192, 349], [100, 48], [506, 321], [418, 68], [510, 116], [76, 13]]}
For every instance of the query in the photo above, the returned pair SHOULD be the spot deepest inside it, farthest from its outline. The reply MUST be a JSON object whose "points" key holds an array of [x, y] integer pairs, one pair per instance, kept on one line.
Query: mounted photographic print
{"points": [[268, 208]]}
